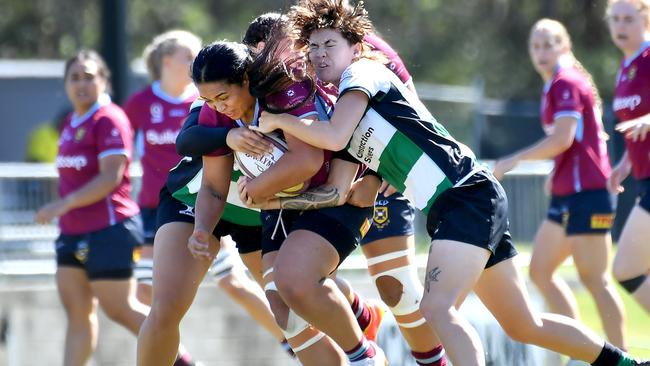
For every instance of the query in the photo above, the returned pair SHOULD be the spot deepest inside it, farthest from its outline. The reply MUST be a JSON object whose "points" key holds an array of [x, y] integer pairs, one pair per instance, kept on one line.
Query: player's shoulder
{"points": [[141, 96], [111, 113], [211, 118]]}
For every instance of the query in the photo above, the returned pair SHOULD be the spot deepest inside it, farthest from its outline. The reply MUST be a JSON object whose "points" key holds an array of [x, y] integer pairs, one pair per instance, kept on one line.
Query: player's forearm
{"points": [[289, 171], [208, 209], [313, 199], [93, 191]]}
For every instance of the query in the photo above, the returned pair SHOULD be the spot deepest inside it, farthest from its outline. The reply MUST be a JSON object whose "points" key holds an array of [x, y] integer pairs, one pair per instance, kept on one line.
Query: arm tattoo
{"points": [[216, 195], [313, 199], [432, 276]]}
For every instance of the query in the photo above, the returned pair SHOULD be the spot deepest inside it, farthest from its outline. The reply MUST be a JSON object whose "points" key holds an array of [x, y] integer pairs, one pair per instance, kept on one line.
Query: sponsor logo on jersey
{"points": [[602, 221], [566, 94], [164, 137], [76, 161], [361, 151], [177, 112], [631, 74], [188, 211], [79, 135], [157, 113], [630, 102]]}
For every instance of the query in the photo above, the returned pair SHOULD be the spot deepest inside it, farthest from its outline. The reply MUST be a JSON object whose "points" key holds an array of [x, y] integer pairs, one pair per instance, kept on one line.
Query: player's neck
{"points": [[248, 117]]}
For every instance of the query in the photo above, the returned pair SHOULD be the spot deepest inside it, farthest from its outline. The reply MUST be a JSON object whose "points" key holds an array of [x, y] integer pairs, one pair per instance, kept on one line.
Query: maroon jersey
{"points": [[157, 119], [104, 130], [632, 100], [395, 64], [292, 97], [585, 165]]}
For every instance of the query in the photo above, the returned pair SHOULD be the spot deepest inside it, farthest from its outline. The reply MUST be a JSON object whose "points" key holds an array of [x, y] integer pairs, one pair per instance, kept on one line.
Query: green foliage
{"points": [[453, 42]]}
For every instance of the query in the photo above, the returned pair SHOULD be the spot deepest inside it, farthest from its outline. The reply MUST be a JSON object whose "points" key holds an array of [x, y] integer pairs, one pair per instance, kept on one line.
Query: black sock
{"points": [[609, 356]]}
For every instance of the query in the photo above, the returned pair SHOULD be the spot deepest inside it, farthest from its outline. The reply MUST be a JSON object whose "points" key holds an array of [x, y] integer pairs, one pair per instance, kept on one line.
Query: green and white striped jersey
{"points": [[400, 139], [184, 181]]}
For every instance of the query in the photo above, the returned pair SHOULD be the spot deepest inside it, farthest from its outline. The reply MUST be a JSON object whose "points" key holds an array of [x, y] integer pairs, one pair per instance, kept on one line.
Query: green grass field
{"points": [[637, 323]]}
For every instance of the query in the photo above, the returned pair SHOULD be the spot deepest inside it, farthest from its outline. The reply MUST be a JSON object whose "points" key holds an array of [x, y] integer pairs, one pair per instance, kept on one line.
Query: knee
{"points": [[166, 312], [294, 291], [594, 281], [436, 309], [622, 271], [117, 312], [143, 294], [632, 284], [390, 290], [539, 276]]}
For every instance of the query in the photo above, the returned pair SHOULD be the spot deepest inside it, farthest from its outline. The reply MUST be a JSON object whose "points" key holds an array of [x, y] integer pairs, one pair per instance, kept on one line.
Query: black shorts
{"points": [[342, 226], [586, 212], [247, 238], [475, 213], [644, 194], [393, 216], [149, 217], [105, 254]]}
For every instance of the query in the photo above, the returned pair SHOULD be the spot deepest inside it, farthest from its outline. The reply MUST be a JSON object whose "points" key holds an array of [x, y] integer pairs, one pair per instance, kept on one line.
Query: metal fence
{"points": [[26, 247]]}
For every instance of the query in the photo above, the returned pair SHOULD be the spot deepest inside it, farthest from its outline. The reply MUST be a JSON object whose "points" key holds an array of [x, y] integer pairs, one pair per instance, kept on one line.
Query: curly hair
{"points": [[309, 15]]}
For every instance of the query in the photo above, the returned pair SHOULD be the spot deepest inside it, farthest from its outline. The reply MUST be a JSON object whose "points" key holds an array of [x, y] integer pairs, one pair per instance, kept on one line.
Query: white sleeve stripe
{"points": [[197, 103], [356, 87], [106, 153], [308, 114], [574, 114]]}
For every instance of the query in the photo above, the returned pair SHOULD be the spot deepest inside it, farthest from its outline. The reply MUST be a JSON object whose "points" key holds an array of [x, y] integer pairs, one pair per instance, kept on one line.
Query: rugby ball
{"points": [[252, 166]]}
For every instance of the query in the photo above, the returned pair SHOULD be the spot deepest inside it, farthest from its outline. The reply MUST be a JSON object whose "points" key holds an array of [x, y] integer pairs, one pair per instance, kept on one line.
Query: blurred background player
{"points": [[580, 214], [100, 225], [629, 25], [157, 113]]}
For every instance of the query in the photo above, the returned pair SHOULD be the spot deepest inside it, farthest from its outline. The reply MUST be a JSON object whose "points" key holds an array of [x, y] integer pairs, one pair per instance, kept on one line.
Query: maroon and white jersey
{"points": [[293, 96], [632, 100], [395, 64], [102, 131], [157, 119], [585, 165]]}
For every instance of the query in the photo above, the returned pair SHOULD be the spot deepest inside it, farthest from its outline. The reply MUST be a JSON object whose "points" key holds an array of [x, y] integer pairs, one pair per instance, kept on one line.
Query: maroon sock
{"points": [[362, 350], [435, 357], [360, 311]]}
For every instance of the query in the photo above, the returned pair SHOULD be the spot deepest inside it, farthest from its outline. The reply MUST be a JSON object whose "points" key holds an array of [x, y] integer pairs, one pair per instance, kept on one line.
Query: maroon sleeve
{"points": [[208, 117]]}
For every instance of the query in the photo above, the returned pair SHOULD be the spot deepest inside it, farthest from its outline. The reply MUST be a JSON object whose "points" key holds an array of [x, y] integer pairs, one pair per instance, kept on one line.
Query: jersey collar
{"points": [[157, 90], [629, 60], [103, 100]]}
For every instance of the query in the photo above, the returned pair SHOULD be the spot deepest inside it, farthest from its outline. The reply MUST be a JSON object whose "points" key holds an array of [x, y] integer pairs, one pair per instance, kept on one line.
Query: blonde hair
{"points": [[561, 37], [167, 44], [642, 6]]}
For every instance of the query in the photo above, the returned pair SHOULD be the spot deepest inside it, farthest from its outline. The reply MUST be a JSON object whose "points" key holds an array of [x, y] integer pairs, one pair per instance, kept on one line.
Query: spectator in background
{"points": [[580, 214], [629, 25], [100, 224]]}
